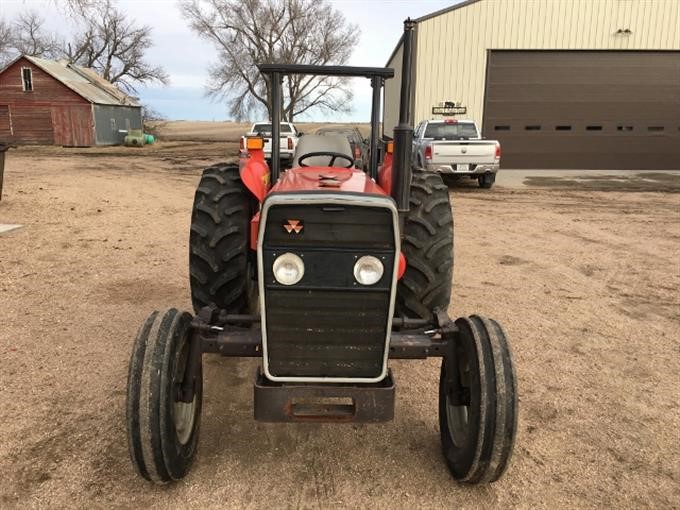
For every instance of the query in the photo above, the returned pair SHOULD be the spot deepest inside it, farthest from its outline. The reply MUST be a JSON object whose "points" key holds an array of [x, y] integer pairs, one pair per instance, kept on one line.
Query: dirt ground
{"points": [[585, 282]]}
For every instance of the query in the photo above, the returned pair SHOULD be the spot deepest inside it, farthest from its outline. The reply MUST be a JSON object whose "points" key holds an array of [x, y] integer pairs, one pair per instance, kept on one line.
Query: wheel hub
{"points": [[184, 414], [456, 414]]}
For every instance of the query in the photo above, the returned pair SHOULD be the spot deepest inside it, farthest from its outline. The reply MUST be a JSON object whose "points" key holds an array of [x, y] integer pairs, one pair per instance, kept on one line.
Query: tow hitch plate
{"points": [[298, 402]]}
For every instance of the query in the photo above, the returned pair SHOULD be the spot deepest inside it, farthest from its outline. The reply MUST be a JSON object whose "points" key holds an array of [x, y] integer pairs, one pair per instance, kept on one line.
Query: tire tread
{"points": [[152, 441], [428, 248], [219, 240], [487, 454]]}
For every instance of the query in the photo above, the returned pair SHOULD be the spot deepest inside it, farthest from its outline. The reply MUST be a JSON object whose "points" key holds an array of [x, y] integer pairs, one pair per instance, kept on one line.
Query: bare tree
{"points": [[5, 43], [77, 8], [154, 121], [114, 46], [107, 42], [250, 32], [29, 37]]}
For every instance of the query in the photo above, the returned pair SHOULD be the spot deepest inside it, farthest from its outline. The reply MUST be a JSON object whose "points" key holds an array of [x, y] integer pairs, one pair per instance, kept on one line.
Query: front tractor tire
{"points": [[428, 247], [162, 430], [478, 402], [221, 267]]}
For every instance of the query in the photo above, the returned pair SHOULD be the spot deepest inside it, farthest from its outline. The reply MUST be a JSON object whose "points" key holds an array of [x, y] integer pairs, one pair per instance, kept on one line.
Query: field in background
{"points": [[197, 131]]}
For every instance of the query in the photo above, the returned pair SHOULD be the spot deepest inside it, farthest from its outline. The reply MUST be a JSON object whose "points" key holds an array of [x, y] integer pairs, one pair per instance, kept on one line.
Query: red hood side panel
{"points": [[316, 178]]}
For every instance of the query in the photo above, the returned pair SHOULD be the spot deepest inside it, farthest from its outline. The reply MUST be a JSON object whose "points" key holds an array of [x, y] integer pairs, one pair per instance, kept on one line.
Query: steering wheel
{"points": [[332, 155]]}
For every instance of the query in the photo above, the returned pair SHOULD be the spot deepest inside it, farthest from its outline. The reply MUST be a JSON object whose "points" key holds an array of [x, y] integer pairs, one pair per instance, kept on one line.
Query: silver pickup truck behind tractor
{"points": [[454, 148]]}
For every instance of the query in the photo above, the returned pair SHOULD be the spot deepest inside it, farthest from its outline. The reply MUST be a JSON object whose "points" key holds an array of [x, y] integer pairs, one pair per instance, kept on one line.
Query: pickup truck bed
{"points": [[288, 139]]}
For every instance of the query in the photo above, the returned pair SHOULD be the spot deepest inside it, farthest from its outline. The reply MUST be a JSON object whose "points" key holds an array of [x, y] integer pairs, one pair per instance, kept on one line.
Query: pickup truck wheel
{"points": [[428, 248], [221, 266], [486, 180]]}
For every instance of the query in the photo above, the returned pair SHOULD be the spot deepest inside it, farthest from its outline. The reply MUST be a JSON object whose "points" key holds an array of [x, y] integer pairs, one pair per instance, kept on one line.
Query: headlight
{"points": [[288, 269], [368, 270]]}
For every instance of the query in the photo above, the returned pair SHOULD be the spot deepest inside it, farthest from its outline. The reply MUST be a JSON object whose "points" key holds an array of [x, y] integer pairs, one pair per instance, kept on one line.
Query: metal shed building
{"points": [[587, 84], [48, 102]]}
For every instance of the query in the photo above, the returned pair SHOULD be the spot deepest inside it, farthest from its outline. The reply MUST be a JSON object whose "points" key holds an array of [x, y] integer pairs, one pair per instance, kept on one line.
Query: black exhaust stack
{"points": [[403, 133], [275, 85]]}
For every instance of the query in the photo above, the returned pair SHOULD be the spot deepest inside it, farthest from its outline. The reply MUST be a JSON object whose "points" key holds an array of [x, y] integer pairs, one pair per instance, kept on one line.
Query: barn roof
{"points": [[84, 82]]}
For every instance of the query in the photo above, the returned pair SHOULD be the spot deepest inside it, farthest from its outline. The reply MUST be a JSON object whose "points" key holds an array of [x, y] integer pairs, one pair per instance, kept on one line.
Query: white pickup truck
{"points": [[289, 139], [454, 148]]}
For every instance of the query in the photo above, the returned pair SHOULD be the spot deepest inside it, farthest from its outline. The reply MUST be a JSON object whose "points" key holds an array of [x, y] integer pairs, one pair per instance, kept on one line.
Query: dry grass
{"points": [[226, 131]]}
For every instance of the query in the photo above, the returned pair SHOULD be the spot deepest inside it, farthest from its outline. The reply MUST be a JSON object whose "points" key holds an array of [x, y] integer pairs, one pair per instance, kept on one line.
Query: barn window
{"points": [[562, 128], [594, 128], [502, 128], [27, 79], [655, 128], [532, 128]]}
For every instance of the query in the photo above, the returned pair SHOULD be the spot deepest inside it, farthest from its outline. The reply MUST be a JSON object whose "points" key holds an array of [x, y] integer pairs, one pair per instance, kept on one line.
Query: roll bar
{"points": [[403, 133], [275, 72], [357, 72]]}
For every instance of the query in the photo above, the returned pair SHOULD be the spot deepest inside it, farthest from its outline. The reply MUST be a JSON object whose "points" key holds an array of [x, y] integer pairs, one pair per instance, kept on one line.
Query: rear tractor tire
{"points": [[221, 265], [162, 430], [428, 248], [478, 402]]}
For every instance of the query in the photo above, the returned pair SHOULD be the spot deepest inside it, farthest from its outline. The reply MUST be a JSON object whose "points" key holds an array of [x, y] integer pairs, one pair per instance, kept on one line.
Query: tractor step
{"points": [[335, 403]]}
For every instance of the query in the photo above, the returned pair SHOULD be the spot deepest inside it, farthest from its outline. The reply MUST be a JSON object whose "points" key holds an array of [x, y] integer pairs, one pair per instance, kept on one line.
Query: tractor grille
{"points": [[319, 333], [327, 325]]}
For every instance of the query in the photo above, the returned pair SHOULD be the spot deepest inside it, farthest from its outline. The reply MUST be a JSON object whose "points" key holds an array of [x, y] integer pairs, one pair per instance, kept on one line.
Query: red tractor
{"points": [[325, 272]]}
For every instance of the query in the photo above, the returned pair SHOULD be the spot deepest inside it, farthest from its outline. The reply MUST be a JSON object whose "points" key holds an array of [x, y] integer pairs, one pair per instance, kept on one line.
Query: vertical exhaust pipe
{"points": [[403, 133], [376, 85], [276, 127]]}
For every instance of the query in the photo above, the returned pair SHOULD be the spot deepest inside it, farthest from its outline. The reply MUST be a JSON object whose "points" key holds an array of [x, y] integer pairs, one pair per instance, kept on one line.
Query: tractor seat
{"points": [[323, 143]]}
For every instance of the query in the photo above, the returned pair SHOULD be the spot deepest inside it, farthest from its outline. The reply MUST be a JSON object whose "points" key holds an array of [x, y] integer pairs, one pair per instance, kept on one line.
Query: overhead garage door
{"points": [[584, 109]]}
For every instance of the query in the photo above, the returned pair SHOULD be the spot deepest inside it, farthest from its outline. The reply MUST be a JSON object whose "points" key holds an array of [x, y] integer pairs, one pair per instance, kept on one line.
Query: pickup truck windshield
{"points": [[442, 131], [267, 128]]}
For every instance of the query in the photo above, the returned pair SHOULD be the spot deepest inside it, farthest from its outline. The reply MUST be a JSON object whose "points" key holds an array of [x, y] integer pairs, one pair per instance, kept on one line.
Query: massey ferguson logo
{"points": [[293, 226]]}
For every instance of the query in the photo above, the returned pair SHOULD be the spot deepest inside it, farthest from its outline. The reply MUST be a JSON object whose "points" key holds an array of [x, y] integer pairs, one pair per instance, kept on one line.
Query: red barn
{"points": [[56, 103]]}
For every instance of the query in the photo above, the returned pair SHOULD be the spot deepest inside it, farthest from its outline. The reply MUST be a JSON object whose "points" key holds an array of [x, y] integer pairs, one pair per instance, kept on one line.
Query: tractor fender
{"points": [[255, 174], [385, 174], [401, 269]]}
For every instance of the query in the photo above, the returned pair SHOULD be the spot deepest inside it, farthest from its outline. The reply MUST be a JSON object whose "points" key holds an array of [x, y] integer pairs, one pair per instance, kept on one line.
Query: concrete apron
{"points": [[591, 180]]}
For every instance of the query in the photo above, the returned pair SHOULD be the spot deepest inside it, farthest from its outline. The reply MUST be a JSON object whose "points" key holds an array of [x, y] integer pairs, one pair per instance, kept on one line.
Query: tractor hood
{"points": [[332, 179]]}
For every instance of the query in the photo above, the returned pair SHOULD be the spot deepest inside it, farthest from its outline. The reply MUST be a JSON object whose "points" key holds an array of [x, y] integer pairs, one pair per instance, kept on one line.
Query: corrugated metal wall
{"points": [[452, 47], [110, 120], [391, 93]]}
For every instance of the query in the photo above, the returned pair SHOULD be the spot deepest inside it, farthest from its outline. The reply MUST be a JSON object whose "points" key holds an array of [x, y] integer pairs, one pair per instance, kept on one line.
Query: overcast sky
{"points": [[186, 57]]}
